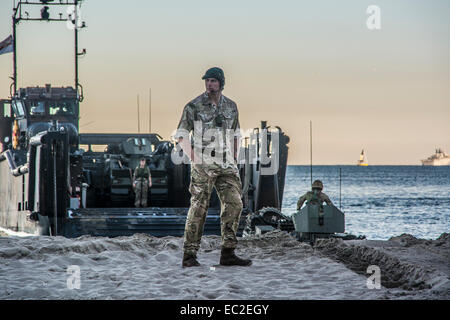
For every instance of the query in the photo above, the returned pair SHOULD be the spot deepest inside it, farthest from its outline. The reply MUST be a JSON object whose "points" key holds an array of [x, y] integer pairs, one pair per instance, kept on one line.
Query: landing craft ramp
{"points": [[112, 222]]}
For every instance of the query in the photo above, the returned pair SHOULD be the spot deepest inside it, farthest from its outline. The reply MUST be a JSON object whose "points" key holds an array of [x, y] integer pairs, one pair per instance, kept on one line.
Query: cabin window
{"points": [[37, 107], [7, 109], [18, 107], [60, 108]]}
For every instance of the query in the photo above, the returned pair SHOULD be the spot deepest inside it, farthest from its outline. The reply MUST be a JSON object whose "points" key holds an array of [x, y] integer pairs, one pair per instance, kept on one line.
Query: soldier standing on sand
{"points": [[142, 180], [316, 194], [211, 111]]}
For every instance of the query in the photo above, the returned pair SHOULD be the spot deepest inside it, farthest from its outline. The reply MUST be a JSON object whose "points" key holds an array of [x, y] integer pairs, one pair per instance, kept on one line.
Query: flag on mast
{"points": [[6, 45]]}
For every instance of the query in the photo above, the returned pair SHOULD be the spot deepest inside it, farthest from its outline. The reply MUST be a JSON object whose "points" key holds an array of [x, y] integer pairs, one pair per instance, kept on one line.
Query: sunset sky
{"points": [[287, 62]]}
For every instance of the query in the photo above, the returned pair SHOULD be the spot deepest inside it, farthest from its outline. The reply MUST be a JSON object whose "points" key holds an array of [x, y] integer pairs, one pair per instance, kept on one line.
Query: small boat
{"points": [[362, 160], [439, 158]]}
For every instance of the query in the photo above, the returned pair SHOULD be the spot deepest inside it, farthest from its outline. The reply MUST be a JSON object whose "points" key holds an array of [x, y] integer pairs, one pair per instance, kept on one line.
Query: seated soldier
{"points": [[316, 194]]}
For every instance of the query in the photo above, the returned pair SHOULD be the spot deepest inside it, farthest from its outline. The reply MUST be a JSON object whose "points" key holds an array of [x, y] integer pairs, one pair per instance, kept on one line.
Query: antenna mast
{"points": [[340, 187], [139, 122], [150, 110], [310, 148]]}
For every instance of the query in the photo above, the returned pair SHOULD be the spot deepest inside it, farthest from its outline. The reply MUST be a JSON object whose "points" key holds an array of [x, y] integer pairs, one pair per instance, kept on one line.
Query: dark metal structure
{"points": [[57, 181], [18, 16]]}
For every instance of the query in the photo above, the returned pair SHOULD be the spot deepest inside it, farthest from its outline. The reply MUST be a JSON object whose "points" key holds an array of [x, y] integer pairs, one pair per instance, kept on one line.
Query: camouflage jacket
{"points": [[213, 127], [309, 195], [141, 173]]}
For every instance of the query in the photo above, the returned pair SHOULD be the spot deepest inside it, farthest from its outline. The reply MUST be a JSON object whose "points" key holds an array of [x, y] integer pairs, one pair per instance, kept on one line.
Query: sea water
{"points": [[380, 201]]}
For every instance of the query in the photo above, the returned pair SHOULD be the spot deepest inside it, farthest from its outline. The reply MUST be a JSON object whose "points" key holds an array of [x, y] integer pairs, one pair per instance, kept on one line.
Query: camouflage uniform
{"points": [[309, 195], [141, 177], [201, 117], [213, 171]]}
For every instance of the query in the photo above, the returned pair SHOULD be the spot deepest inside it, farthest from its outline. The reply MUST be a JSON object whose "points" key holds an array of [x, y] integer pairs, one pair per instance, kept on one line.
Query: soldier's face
{"points": [[212, 85]]}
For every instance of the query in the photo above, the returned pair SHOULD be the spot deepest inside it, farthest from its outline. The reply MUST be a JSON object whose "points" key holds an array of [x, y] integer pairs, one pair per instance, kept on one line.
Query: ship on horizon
{"points": [[362, 162], [439, 158]]}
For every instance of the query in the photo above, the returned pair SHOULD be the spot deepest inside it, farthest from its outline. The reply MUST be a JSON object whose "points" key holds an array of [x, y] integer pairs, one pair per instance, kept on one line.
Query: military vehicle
{"points": [[57, 181], [315, 221]]}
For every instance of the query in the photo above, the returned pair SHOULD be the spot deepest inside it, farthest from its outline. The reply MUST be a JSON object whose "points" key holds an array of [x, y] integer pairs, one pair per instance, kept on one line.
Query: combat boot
{"points": [[228, 258], [190, 260]]}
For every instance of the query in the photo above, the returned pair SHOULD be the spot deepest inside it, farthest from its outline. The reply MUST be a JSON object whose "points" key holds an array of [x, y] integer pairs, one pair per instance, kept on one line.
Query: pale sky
{"points": [[287, 62]]}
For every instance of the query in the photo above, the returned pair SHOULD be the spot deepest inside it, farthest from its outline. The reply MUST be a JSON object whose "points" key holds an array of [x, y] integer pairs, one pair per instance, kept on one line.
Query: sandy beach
{"points": [[146, 267]]}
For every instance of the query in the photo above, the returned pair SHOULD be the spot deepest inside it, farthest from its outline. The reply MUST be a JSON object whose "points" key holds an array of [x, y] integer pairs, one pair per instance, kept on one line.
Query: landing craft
{"points": [[54, 180]]}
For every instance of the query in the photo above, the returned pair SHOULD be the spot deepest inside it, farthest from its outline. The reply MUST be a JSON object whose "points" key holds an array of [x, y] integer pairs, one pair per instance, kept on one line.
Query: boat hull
{"points": [[440, 162], [362, 164]]}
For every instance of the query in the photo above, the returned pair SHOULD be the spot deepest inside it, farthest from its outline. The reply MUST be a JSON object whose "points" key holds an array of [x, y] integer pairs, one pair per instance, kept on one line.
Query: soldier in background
{"points": [[316, 195], [142, 180], [215, 112]]}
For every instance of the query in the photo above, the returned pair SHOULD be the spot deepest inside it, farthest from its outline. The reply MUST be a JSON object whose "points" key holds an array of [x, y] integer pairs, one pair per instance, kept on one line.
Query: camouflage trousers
{"points": [[228, 186], [141, 191]]}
